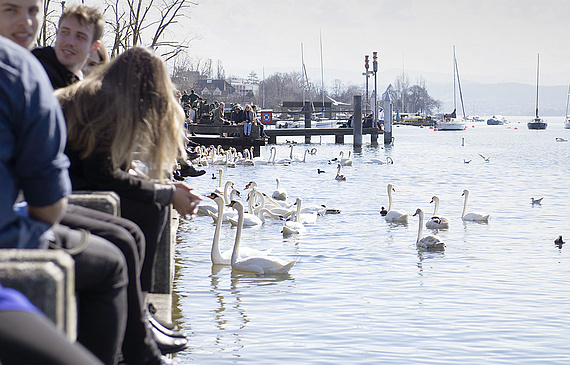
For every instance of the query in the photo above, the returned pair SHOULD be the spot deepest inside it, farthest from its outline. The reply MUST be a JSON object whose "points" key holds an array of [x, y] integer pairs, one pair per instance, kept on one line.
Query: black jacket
{"points": [[58, 74]]}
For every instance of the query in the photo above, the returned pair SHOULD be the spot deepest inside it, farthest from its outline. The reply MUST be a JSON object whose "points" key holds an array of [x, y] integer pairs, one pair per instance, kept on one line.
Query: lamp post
{"points": [[375, 70], [367, 74]]}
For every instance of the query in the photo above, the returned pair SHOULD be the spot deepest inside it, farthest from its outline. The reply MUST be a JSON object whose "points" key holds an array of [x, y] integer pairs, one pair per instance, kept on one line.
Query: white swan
{"points": [[378, 161], [265, 265], [345, 161], [477, 217], [437, 221], [430, 242], [294, 227], [393, 215], [227, 213], [277, 211], [279, 193], [308, 216], [260, 160], [224, 258], [339, 176], [220, 189], [282, 161]]}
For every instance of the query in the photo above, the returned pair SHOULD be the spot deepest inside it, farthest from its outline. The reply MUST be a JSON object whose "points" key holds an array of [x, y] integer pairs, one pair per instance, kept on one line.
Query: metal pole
{"points": [[387, 117], [357, 122], [375, 69]]}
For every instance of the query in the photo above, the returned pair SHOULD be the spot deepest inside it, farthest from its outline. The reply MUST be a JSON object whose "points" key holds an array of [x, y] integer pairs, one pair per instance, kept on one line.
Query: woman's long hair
{"points": [[125, 107]]}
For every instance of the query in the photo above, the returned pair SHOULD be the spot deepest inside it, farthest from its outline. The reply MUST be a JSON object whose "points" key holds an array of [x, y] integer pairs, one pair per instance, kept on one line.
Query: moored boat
{"points": [[450, 122], [494, 121], [537, 122]]}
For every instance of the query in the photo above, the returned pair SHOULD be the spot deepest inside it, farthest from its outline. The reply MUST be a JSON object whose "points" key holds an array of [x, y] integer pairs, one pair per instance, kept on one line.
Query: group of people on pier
{"points": [[198, 111], [83, 136]]}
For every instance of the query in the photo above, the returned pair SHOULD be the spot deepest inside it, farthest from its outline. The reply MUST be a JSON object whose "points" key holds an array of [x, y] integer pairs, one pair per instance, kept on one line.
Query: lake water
{"points": [[361, 293]]}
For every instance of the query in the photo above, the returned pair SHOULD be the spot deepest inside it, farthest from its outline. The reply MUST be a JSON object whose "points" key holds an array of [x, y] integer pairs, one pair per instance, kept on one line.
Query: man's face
{"points": [[74, 43], [19, 20]]}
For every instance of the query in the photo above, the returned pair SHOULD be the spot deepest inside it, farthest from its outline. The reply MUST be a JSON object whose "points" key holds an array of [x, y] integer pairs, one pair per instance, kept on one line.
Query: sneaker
{"points": [[191, 171]]}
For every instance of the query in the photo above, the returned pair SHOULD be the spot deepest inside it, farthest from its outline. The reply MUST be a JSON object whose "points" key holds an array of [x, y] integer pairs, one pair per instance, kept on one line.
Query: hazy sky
{"points": [[496, 40]]}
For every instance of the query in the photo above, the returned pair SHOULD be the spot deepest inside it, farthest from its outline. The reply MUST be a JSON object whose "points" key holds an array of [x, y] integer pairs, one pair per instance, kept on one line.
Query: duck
{"points": [[279, 193], [262, 264], [339, 176], [559, 242], [394, 215], [534, 201], [319, 171], [294, 227], [476, 217], [428, 243], [437, 221], [224, 258], [383, 211]]}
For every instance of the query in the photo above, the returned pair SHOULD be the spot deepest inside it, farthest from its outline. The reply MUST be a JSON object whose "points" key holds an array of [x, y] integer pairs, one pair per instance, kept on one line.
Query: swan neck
{"points": [[235, 252], [464, 205], [298, 214], [215, 253], [389, 198], [420, 226]]}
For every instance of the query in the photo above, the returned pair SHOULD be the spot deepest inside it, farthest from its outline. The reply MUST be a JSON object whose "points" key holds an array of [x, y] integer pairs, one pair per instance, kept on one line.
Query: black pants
{"points": [[29, 338], [100, 282], [138, 346], [151, 218]]}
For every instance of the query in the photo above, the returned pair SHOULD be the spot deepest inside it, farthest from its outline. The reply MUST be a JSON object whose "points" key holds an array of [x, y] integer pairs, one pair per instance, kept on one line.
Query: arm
{"points": [[50, 214]]}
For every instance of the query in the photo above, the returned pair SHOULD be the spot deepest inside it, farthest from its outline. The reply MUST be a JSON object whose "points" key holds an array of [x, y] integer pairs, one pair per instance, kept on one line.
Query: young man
{"points": [[79, 33]]}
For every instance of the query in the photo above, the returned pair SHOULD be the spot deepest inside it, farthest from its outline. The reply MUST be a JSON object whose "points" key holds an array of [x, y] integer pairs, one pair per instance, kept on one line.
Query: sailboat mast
{"points": [[567, 100], [322, 73], [303, 72], [454, 82], [537, 68], [459, 84]]}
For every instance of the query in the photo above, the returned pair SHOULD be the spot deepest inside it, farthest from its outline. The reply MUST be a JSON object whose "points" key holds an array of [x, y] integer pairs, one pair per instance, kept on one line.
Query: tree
{"points": [[252, 78], [414, 99]]}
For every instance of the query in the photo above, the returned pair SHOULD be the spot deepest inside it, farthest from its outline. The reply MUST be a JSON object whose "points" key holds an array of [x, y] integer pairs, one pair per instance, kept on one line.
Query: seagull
{"points": [[335, 103], [559, 242], [536, 201], [466, 161], [487, 159]]}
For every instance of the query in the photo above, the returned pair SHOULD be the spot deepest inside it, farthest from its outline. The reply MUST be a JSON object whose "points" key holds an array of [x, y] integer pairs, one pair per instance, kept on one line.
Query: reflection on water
{"points": [[361, 292]]}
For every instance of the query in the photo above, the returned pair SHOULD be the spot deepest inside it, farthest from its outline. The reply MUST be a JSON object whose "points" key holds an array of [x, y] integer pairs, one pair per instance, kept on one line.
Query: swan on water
{"points": [[477, 217], [279, 193], [378, 161], [431, 242], [227, 212], [345, 161], [205, 208], [394, 215], [339, 176], [294, 227], [262, 264], [224, 258], [437, 221]]}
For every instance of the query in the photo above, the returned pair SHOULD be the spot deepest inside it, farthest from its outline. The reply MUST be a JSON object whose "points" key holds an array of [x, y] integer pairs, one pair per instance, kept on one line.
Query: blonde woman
{"points": [[126, 108]]}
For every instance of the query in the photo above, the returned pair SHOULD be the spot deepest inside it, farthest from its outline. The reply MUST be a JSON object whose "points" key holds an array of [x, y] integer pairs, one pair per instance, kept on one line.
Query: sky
{"points": [[495, 40]]}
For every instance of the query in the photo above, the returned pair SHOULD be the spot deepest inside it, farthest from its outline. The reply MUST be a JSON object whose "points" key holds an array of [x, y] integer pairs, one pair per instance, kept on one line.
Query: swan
{"points": [[279, 193], [294, 227], [345, 161], [283, 161], [477, 217], [262, 264], [437, 221], [393, 215], [219, 189], [339, 176], [224, 258], [430, 242], [275, 208], [226, 214], [261, 161], [378, 161]]}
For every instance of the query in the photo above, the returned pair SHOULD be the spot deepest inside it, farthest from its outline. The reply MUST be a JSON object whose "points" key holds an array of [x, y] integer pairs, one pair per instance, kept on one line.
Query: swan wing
{"points": [[477, 217], [396, 216], [431, 243]]}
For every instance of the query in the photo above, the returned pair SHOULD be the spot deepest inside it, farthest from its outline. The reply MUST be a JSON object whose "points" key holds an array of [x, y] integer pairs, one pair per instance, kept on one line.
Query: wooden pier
{"points": [[338, 133]]}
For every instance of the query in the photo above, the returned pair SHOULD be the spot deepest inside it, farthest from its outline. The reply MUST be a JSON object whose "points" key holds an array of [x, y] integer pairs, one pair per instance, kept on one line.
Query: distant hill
{"points": [[502, 99]]}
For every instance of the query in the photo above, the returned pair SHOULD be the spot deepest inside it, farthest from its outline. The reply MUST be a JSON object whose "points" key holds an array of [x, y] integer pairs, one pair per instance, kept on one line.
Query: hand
{"points": [[185, 200]]}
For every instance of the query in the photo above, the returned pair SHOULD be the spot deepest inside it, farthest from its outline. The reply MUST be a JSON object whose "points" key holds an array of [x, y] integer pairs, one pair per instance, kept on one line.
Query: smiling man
{"points": [[79, 32]]}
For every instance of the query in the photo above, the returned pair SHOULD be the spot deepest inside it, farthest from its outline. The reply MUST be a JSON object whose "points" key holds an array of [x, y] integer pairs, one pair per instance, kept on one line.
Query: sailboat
{"points": [[537, 122], [450, 122], [567, 117]]}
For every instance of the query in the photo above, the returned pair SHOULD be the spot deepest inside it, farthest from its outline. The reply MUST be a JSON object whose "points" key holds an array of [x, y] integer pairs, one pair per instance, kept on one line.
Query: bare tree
{"points": [[146, 22]]}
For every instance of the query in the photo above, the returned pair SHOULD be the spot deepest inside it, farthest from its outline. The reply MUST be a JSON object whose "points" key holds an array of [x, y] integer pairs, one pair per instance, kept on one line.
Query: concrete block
{"points": [[47, 279], [105, 201], [164, 266]]}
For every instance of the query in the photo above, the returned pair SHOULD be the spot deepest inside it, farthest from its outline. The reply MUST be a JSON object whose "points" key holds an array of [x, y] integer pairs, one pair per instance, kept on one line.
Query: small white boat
{"points": [[450, 122]]}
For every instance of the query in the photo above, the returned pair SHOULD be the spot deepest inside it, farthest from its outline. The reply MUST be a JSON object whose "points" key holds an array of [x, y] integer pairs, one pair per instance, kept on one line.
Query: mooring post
{"points": [[308, 117], [357, 122], [387, 117]]}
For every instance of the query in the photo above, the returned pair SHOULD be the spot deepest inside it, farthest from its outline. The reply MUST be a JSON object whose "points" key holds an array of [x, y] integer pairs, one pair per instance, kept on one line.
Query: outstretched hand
{"points": [[185, 200]]}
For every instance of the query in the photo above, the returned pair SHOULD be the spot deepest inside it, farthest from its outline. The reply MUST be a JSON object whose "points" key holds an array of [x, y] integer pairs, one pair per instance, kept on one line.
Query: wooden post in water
{"points": [[308, 116], [357, 122], [387, 117]]}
